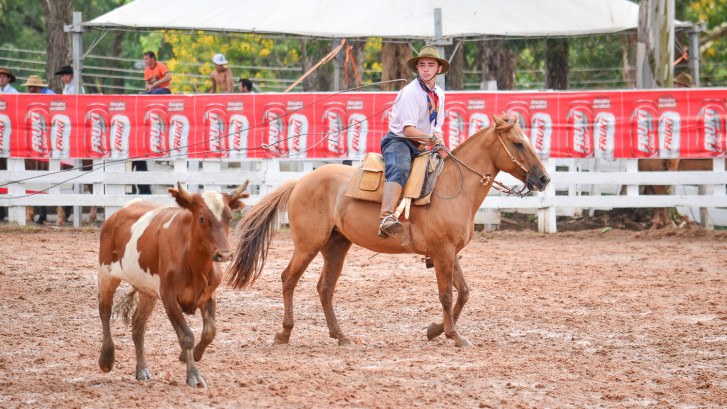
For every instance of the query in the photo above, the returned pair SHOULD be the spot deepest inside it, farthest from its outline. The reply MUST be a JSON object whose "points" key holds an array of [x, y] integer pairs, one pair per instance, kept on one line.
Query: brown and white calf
{"points": [[169, 253]]}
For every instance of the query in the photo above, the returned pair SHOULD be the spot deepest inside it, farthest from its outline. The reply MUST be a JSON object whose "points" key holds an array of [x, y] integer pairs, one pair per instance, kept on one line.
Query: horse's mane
{"points": [[509, 123]]}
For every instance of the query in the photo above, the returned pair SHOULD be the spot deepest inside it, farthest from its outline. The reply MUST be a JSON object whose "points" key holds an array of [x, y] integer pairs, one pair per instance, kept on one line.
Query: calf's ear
{"points": [[181, 195]]}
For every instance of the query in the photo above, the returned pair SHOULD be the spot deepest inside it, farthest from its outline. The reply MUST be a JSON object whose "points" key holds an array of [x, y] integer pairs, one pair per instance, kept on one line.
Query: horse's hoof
{"points": [[143, 374], [434, 331], [280, 339], [345, 341], [462, 343]]}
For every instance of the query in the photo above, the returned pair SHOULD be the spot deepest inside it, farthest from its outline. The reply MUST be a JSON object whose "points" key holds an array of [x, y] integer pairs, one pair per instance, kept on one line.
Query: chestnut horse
{"points": [[322, 219]]}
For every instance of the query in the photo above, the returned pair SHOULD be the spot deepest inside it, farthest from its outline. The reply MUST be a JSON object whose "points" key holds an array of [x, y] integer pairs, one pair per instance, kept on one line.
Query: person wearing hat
{"points": [[221, 76], [416, 122], [36, 86], [66, 74], [5, 79], [683, 80], [157, 76]]}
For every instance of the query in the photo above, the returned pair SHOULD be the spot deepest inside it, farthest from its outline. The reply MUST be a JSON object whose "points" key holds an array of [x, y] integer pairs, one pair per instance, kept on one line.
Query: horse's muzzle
{"points": [[538, 183]]}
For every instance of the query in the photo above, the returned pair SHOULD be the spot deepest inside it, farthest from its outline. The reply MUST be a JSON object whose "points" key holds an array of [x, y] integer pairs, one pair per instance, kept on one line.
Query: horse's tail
{"points": [[254, 233]]}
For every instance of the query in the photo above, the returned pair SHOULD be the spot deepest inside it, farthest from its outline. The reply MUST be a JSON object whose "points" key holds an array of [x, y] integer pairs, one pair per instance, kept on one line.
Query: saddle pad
{"points": [[367, 182]]}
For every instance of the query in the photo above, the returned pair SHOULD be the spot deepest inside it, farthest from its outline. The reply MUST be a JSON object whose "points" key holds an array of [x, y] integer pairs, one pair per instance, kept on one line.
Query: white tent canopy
{"points": [[378, 18]]}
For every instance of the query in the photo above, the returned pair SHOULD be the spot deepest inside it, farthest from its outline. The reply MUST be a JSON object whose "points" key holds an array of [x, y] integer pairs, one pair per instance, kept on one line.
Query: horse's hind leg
{"points": [[138, 330], [436, 329], [290, 277], [445, 272], [334, 253], [106, 287]]}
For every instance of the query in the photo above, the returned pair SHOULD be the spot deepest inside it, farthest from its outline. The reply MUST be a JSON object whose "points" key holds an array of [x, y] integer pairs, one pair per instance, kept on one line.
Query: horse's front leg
{"points": [[209, 327], [444, 267], [436, 329], [185, 337]]}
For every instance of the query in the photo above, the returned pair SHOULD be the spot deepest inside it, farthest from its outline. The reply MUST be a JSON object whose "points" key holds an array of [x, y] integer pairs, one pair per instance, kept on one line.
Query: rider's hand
{"points": [[435, 139]]}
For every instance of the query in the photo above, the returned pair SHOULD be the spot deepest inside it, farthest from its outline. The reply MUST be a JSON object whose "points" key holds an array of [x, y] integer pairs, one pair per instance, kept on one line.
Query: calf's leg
{"points": [[138, 330], [106, 287], [209, 328], [185, 337]]}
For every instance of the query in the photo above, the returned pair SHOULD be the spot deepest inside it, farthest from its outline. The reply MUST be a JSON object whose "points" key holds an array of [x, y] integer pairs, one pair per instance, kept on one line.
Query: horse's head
{"points": [[515, 155]]}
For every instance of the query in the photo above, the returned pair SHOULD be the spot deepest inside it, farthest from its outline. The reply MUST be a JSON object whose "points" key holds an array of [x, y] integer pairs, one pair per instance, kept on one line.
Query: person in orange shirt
{"points": [[157, 76]]}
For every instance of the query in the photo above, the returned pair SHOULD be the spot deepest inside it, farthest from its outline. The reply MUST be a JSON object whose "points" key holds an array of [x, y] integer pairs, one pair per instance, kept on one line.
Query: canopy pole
{"points": [[693, 51], [76, 31], [439, 42]]}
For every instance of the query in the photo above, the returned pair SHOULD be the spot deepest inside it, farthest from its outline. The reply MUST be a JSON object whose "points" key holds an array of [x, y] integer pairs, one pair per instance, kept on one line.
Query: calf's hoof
{"points": [[281, 338], [195, 380], [106, 360], [434, 331], [143, 374], [345, 341]]}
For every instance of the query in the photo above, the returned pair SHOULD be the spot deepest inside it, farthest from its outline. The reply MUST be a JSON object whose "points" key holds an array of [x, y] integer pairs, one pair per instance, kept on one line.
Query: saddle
{"points": [[367, 182]]}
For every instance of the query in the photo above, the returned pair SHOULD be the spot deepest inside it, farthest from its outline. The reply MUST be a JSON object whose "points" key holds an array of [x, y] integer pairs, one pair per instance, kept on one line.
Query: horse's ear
{"points": [[496, 119]]}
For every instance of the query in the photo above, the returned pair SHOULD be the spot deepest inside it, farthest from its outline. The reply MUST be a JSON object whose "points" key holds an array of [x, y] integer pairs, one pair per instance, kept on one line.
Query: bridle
{"points": [[488, 179]]}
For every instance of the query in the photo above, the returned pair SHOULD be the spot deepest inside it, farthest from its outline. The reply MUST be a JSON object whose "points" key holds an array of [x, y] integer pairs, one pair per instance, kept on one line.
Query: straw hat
{"points": [[66, 69], [34, 81], [429, 51], [684, 79], [219, 59], [6, 72]]}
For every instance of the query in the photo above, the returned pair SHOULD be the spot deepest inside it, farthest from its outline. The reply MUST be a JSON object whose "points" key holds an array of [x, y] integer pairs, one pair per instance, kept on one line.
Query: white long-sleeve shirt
{"points": [[410, 109]]}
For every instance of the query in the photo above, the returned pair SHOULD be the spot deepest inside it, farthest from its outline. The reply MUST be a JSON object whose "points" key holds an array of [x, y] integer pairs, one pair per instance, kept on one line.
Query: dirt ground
{"points": [[595, 318]]}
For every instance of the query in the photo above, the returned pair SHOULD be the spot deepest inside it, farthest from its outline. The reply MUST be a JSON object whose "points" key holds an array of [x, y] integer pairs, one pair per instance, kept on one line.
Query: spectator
{"points": [[221, 76], [5, 79], [245, 85], [157, 76], [683, 80], [66, 74], [36, 86]]}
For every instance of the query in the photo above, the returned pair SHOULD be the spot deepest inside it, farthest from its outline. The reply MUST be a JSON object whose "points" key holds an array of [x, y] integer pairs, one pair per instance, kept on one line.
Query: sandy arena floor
{"points": [[584, 319]]}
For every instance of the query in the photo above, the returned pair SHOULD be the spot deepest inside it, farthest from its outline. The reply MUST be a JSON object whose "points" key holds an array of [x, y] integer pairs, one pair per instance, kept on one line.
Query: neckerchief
{"points": [[432, 101]]}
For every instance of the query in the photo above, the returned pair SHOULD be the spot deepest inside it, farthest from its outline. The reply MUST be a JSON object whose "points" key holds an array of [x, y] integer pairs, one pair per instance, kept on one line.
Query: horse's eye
{"points": [[518, 144]]}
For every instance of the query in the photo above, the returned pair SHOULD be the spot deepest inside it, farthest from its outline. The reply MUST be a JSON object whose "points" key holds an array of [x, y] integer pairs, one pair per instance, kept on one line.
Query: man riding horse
{"points": [[416, 122]]}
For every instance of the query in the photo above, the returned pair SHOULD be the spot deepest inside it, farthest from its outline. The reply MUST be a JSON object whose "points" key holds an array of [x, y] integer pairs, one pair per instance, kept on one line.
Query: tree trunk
{"points": [[497, 63], [393, 60], [628, 44], [321, 79], [455, 76], [358, 52], [655, 47], [57, 13], [557, 63]]}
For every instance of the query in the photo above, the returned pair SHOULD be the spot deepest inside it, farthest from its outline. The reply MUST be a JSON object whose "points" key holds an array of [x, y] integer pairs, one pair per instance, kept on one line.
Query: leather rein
{"points": [[488, 179]]}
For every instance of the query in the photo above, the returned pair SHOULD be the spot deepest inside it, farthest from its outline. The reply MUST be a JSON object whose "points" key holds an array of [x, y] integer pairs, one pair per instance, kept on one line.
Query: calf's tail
{"points": [[126, 307], [255, 231]]}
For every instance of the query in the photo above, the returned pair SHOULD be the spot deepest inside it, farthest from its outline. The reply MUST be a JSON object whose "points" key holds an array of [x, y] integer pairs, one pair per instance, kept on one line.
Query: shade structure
{"points": [[378, 18]]}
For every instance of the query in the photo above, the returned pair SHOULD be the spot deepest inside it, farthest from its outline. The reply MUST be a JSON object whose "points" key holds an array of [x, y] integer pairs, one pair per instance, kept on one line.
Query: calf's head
{"points": [[211, 215]]}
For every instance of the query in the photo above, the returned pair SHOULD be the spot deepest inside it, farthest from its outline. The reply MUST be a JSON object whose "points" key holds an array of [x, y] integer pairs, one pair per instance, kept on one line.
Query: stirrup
{"points": [[391, 229]]}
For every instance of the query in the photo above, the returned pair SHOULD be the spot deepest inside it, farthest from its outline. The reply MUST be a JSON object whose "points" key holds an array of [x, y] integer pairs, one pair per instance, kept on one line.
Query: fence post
{"points": [[16, 213]]}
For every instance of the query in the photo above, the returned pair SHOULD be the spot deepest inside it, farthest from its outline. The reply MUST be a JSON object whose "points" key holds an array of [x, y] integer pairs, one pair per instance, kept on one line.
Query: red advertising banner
{"points": [[668, 123]]}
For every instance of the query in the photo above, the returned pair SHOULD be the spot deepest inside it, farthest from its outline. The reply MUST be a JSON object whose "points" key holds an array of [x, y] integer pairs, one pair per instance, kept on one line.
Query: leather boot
{"points": [[389, 224]]}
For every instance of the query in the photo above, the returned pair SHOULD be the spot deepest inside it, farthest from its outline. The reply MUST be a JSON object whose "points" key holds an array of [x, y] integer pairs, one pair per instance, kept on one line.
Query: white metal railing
{"points": [[577, 185]]}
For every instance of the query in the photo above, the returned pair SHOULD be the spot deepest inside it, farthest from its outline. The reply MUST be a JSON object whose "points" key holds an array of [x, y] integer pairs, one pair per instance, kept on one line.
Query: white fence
{"points": [[577, 185]]}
